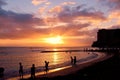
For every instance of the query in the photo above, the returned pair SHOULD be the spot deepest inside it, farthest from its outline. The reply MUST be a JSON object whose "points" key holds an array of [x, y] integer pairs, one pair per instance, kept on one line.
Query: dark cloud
{"points": [[70, 29], [68, 14], [112, 4], [16, 25], [2, 3]]}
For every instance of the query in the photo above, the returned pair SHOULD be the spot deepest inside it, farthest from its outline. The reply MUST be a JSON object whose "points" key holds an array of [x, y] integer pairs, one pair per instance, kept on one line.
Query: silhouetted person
{"points": [[74, 60], [46, 66], [21, 70], [71, 60], [33, 71]]}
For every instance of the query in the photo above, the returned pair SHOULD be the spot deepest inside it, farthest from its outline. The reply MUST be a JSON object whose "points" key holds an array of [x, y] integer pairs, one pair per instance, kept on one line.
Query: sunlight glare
{"points": [[54, 40], [55, 58]]}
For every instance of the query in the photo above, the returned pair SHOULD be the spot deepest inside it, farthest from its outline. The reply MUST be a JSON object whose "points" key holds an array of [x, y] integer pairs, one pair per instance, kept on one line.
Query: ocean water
{"points": [[11, 56]]}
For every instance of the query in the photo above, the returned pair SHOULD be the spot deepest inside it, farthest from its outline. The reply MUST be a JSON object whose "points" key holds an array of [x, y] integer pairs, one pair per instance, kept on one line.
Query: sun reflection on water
{"points": [[55, 58]]}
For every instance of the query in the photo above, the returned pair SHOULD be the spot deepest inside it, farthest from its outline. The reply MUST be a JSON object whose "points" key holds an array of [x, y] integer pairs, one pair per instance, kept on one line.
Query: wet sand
{"points": [[106, 68]]}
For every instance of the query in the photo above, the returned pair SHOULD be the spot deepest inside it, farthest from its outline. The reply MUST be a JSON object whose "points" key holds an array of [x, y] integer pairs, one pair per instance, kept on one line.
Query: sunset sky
{"points": [[55, 22]]}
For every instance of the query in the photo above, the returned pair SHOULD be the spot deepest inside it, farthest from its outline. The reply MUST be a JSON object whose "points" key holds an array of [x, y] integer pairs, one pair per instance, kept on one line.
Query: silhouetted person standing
{"points": [[21, 70], [46, 66], [75, 60], [71, 60], [33, 71]]}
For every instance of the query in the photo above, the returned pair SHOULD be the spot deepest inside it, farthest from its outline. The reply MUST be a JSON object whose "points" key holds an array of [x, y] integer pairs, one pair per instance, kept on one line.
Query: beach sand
{"points": [[68, 72], [64, 73]]}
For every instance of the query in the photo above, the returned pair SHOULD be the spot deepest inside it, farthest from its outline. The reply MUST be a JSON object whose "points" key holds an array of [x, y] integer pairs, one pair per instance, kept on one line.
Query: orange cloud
{"points": [[115, 14], [56, 9], [68, 3], [37, 2], [114, 18], [42, 9], [48, 3]]}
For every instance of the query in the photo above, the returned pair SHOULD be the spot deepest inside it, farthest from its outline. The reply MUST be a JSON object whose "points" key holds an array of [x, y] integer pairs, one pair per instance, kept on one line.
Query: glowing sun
{"points": [[54, 40]]}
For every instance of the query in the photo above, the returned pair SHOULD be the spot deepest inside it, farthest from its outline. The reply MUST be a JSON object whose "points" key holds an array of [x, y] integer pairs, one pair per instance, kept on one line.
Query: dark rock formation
{"points": [[107, 38]]}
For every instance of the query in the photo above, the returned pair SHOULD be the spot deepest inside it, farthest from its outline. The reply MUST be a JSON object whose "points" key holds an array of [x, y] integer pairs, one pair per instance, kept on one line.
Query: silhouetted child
{"points": [[20, 70], [75, 60], [46, 66], [33, 71]]}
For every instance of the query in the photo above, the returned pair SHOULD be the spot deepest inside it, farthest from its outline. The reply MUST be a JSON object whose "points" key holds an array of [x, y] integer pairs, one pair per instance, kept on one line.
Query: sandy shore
{"points": [[73, 69], [68, 69]]}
